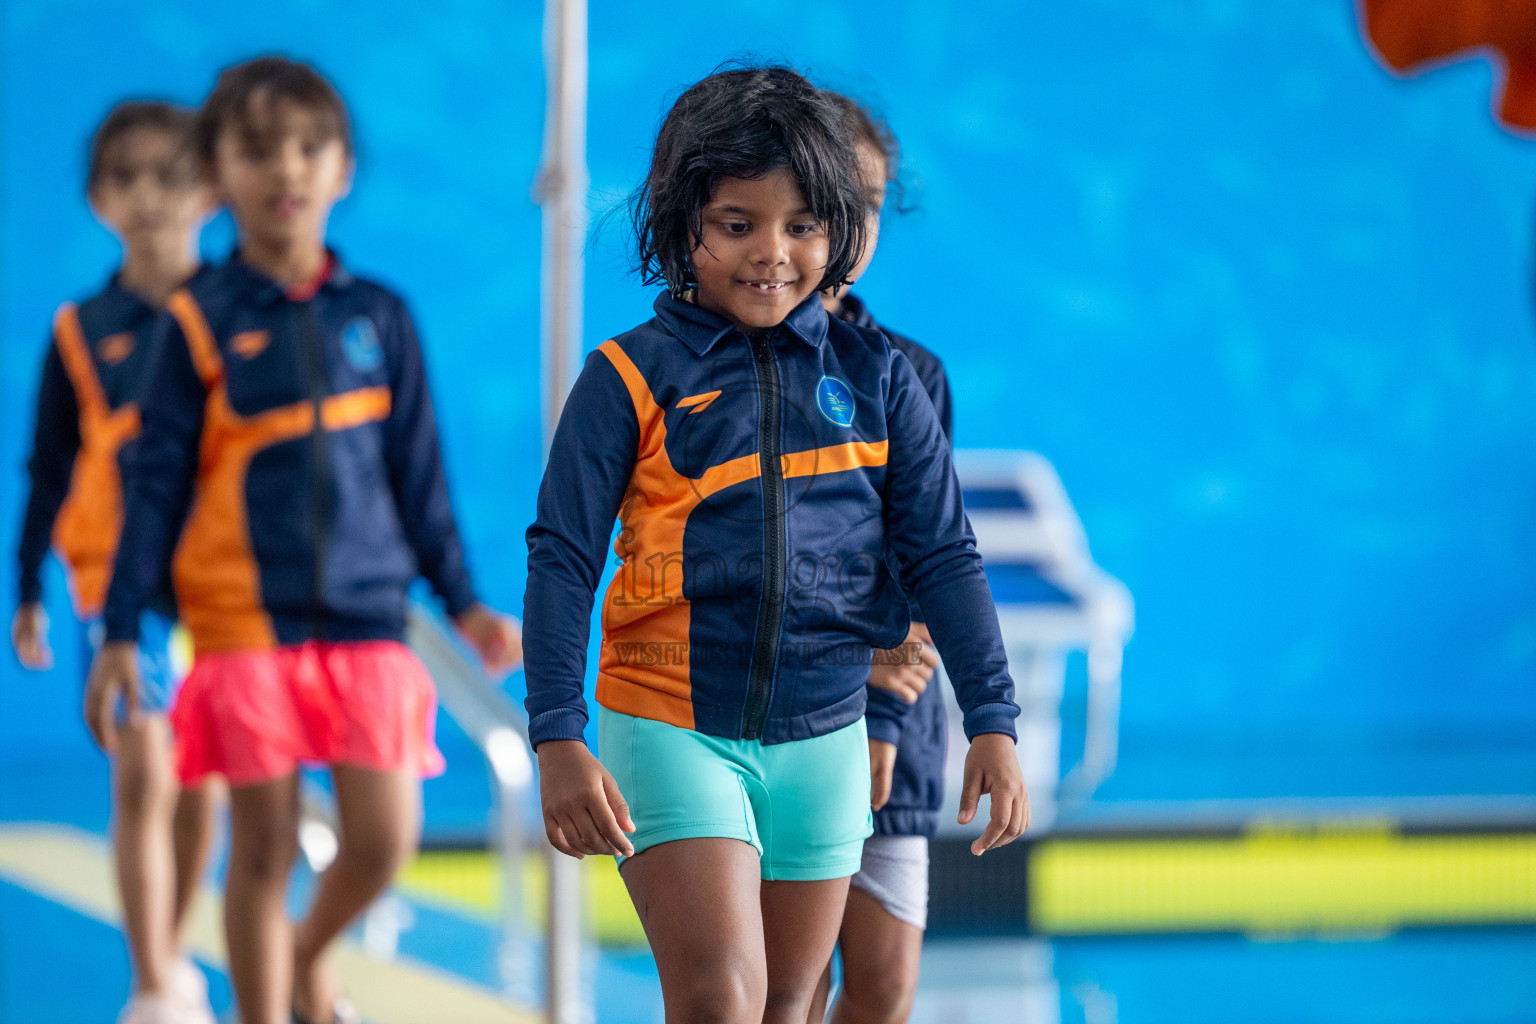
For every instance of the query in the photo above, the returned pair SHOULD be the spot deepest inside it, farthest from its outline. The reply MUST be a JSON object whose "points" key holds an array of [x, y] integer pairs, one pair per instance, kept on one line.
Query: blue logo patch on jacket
{"points": [[835, 399], [360, 343]]}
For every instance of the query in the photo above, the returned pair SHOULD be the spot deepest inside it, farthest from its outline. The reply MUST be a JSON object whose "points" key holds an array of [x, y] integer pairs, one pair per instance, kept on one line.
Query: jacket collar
{"points": [[122, 305], [125, 306], [267, 292], [855, 312], [701, 329]]}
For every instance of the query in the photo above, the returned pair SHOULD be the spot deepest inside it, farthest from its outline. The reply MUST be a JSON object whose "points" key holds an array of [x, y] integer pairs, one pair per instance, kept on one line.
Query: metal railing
{"points": [[498, 728]]}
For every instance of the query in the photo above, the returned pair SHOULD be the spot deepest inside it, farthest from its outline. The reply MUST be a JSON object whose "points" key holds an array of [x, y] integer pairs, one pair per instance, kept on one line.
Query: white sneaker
{"points": [[342, 1012], [154, 1008], [190, 987]]}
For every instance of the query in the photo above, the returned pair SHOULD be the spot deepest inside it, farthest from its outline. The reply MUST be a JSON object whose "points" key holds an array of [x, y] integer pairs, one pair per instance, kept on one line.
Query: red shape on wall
{"points": [[1409, 34]]}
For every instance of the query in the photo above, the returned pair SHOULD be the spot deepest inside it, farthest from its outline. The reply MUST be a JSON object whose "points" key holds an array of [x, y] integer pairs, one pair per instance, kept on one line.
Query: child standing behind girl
{"points": [[143, 183], [761, 457], [292, 428], [882, 932]]}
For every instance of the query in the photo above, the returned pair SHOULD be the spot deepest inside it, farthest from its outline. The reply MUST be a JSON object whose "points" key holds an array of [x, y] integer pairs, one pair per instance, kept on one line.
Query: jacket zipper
{"points": [[770, 612], [320, 468]]}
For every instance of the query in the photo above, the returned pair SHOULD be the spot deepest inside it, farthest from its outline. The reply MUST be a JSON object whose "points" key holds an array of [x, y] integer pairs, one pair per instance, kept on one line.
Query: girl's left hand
{"points": [[992, 766], [495, 636], [114, 674]]}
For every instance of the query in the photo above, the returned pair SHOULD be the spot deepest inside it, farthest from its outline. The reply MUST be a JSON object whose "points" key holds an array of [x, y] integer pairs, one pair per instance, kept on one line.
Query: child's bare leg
{"points": [[881, 956], [818, 1011], [192, 839], [699, 902], [380, 819], [143, 799], [264, 839], [800, 922]]}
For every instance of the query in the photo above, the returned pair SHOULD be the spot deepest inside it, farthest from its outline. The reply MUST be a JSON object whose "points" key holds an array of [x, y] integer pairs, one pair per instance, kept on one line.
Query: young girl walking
{"points": [[291, 428], [144, 185], [761, 457]]}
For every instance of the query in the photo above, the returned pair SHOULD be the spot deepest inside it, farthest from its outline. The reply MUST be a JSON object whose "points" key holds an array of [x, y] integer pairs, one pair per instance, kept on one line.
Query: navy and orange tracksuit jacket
{"points": [[759, 484], [291, 443], [918, 730], [87, 420]]}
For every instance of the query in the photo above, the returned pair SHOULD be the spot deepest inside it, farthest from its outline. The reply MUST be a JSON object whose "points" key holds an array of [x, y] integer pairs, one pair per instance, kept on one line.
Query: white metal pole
{"points": [[562, 192]]}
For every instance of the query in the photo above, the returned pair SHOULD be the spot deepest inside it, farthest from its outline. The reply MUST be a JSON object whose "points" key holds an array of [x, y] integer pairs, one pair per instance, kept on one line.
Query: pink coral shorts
{"points": [[254, 716]]}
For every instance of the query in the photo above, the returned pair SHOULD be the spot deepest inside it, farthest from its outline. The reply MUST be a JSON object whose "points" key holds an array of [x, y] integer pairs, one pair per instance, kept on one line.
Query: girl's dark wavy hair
{"points": [[745, 122]]}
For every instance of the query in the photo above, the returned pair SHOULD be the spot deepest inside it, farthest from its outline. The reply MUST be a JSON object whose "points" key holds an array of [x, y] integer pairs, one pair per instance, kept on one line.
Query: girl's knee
{"points": [[723, 993], [264, 851], [787, 1004], [883, 995], [145, 786], [375, 863]]}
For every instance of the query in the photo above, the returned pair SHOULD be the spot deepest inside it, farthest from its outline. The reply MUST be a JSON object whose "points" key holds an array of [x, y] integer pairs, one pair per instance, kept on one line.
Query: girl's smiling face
{"points": [[761, 252]]}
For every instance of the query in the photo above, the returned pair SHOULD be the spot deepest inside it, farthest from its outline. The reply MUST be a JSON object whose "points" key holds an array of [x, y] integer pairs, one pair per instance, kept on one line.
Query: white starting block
{"points": [[1051, 600]]}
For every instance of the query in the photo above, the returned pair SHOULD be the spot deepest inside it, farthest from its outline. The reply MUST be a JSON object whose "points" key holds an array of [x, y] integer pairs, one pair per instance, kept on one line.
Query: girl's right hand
{"points": [[906, 670], [29, 636], [496, 637], [114, 674], [583, 809]]}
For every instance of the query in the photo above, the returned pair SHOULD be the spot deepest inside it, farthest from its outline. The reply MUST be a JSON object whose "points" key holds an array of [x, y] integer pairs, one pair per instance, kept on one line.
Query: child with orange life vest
{"points": [[293, 431], [143, 184]]}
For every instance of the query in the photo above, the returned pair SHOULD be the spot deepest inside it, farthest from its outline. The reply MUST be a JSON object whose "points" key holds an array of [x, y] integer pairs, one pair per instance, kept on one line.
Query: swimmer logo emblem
{"points": [[835, 400], [360, 342]]}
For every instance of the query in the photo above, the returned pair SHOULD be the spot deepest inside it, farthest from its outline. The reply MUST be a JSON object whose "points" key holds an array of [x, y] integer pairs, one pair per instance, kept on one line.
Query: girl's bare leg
{"points": [[379, 814], [144, 796], [881, 956], [700, 903], [192, 840], [800, 924], [264, 839]]}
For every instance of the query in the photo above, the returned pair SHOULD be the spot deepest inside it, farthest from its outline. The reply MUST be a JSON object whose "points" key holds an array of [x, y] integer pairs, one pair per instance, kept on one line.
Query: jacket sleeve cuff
{"points": [[120, 628], [884, 715], [558, 724], [987, 718], [30, 589], [459, 598]]}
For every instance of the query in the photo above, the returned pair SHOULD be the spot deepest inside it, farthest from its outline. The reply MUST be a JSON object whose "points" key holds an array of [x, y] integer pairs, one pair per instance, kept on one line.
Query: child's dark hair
{"points": [[132, 116], [746, 122], [267, 80], [870, 130]]}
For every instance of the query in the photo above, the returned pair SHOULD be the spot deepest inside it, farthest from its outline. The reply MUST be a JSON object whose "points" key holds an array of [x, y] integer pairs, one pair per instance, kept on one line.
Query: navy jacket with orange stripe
{"points": [[295, 439], [759, 484], [87, 419]]}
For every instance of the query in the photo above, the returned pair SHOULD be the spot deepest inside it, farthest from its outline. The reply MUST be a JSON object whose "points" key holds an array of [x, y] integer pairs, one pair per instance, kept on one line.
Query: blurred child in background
{"points": [[143, 184], [293, 431], [762, 457], [882, 932]]}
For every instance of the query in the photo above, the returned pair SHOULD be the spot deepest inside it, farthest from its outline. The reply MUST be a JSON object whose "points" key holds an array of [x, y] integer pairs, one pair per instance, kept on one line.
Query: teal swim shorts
{"points": [[803, 805]]}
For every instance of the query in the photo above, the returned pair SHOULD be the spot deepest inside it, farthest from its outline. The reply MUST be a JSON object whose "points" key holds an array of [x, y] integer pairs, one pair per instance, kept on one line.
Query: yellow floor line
{"points": [[470, 882], [1282, 881], [73, 868]]}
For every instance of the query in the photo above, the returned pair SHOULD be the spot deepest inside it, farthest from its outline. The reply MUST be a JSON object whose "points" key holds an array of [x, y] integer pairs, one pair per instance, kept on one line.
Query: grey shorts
{"points": [[895, 872]]}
